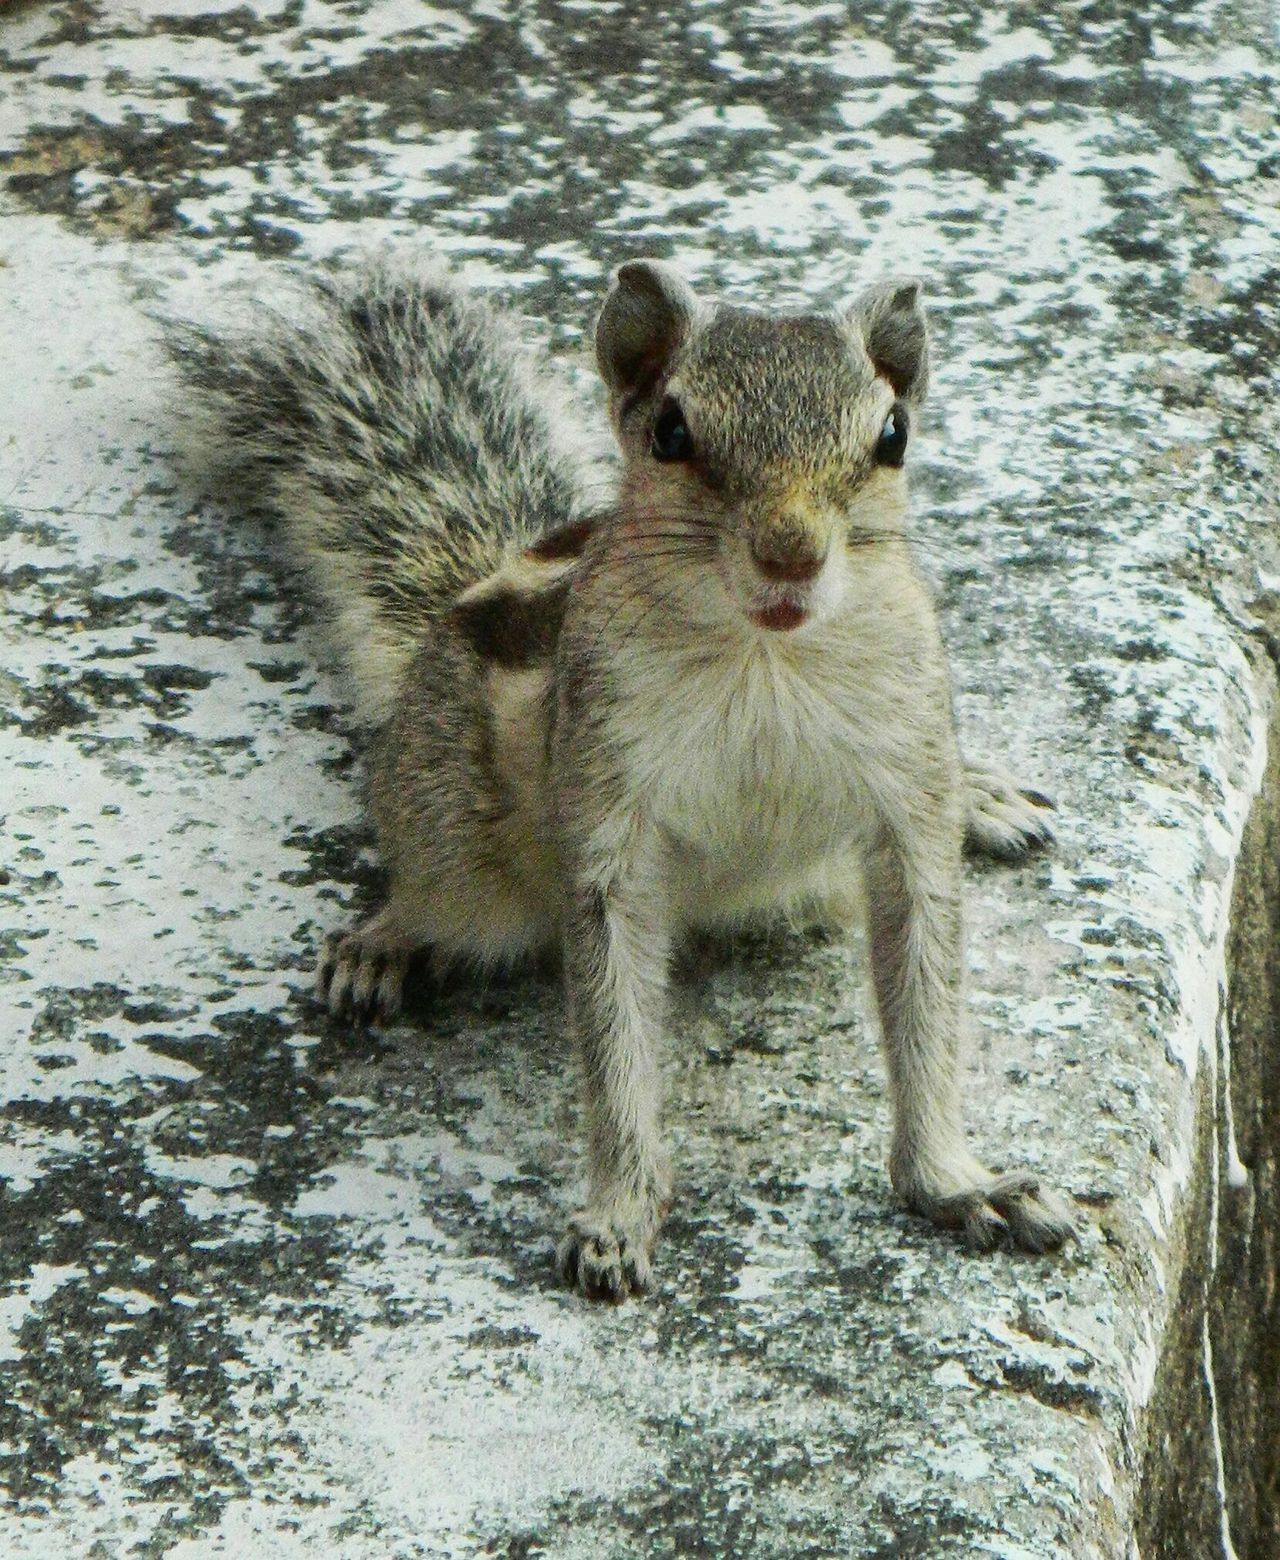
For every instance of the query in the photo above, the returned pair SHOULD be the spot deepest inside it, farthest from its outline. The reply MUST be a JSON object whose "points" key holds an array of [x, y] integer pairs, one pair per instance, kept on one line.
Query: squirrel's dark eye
{"points": [[893, 436], [671, 439]]}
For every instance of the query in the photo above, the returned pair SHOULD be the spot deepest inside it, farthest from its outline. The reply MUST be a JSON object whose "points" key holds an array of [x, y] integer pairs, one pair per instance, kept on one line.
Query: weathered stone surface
{"points": [[274, 1289]]}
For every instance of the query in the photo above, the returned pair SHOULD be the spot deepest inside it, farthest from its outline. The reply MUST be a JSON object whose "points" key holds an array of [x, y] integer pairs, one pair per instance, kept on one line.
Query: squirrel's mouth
{"points": [[781, 615]]}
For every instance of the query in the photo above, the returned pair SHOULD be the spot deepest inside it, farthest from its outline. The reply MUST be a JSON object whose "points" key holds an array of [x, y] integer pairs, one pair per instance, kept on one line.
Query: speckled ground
{"points": [[274, 1289]]}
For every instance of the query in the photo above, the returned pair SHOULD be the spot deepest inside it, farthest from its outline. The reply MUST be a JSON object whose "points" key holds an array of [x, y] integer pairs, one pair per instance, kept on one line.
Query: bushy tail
{"points": [[388, 418]]}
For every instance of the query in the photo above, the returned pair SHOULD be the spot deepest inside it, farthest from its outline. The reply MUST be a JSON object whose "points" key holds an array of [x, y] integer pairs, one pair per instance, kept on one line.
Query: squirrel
{"points": [[595, 726]]}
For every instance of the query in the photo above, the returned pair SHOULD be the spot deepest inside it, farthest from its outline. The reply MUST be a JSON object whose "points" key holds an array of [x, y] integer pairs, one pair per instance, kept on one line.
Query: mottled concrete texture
{"points": [[272, 1289]]}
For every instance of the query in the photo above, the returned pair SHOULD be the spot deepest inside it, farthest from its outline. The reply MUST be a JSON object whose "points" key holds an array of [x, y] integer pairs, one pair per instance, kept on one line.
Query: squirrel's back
{"points": [[388, 418]]}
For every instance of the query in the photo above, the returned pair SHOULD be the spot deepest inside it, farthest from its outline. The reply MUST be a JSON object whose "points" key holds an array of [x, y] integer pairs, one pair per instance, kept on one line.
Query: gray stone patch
{"points": [[269, 1287]]}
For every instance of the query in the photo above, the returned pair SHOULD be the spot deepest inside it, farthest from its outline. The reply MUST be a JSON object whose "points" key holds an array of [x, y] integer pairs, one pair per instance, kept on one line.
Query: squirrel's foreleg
{"points": [[616, 951], [913, 893]]}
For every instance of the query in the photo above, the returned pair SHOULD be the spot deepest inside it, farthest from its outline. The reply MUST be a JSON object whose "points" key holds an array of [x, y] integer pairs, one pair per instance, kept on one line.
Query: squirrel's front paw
{"points": [[605, 1255], [361, 975], [992, 1210], [1004, 819]]}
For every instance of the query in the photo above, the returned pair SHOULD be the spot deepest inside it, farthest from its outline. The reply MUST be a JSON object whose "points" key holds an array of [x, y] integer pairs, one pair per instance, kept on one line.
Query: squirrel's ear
{"points": [[889, 317], [645, 321]]}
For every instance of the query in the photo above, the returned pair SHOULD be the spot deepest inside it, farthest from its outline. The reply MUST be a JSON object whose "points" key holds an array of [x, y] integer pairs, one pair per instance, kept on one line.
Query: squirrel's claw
{"points": [[1003, 819], [603, 1259], [361, 976], [1012, 1210]]}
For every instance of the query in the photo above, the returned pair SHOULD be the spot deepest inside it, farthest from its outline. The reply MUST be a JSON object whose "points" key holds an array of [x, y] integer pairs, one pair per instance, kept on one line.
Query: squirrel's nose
{"points": [[784, 558]]}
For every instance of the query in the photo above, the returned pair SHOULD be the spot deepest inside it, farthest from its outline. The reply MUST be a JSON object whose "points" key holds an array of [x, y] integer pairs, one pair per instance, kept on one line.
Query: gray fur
{"points": [[384, 415], [726, 694]]}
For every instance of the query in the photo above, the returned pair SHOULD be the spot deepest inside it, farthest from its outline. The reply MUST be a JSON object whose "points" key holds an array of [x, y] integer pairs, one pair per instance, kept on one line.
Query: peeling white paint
{"points": [[16, 1308], [1215, 1423]]}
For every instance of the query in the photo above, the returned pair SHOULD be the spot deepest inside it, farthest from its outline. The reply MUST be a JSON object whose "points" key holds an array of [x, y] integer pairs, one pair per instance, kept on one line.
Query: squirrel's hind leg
{"points": [[361, 973]]}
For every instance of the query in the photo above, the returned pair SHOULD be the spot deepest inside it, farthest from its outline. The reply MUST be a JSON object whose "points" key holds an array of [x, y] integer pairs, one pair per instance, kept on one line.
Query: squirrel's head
{"points": [[781, 436]]}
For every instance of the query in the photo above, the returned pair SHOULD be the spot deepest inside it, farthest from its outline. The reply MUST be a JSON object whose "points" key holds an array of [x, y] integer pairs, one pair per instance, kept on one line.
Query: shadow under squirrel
{"points": [[596, 725]]}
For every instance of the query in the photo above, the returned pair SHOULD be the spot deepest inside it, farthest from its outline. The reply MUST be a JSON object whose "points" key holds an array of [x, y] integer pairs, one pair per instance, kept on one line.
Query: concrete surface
{"points": [[273, 1289]]}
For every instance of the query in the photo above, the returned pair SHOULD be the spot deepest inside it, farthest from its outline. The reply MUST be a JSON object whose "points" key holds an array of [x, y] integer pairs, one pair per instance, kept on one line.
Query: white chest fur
{"points": [[747, 757]]}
